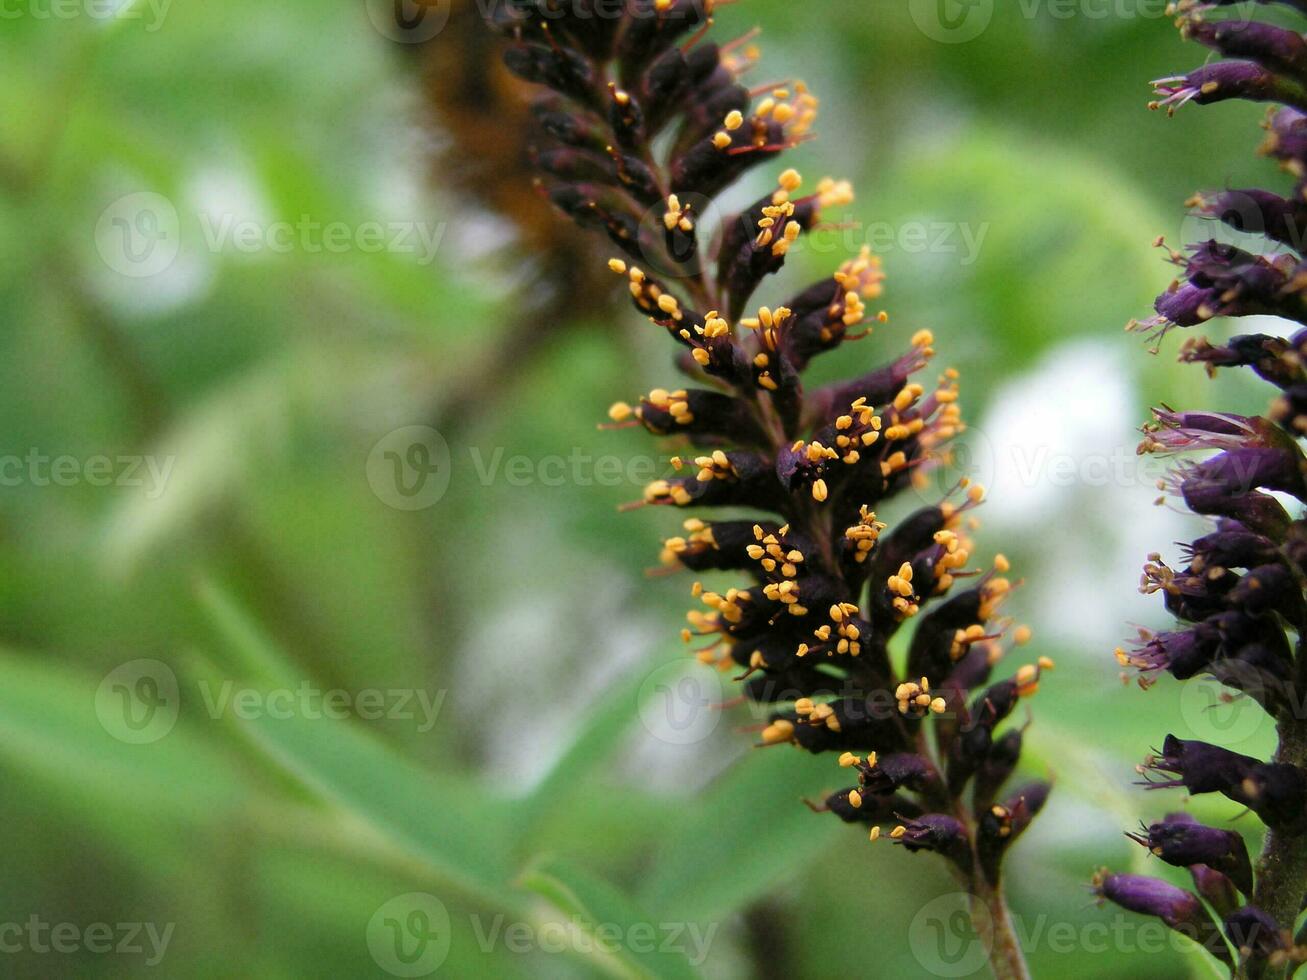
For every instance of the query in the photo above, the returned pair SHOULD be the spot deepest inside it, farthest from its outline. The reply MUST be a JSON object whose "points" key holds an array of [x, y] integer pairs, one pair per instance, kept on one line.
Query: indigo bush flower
{"points": [[649, 122], [1238, 591]]}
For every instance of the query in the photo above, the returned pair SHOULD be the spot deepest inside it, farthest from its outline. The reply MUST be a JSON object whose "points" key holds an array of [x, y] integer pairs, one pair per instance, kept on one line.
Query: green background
{"points": [[265, 377]]}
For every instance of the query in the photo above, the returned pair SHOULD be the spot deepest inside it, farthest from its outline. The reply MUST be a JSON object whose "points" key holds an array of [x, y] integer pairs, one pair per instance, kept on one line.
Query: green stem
{"points": [[1282, 868], [993, 924]]}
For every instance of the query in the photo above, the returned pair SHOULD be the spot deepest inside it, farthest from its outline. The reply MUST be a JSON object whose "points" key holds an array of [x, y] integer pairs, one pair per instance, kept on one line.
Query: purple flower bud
{"points": [[1179, 909], [879, 387], [1231, 549], [1275, 48], [1220, 81], [1150, 896], [1215, 888], [1181, 841], [1182, 653], [897, 770], [1175, 432], [1286, 138], [1257, 212], [935, 832], [999, 764], [1254, 933], [702, 413], [1270, 357], [1001, 824], [870, 809], [1277, 793], [1240, 471], [1198, 766]]}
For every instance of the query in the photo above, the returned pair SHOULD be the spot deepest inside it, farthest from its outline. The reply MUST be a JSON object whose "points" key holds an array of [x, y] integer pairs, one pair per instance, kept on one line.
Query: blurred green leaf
{"points": [[748, 832], [604, 913], [445, 825]]}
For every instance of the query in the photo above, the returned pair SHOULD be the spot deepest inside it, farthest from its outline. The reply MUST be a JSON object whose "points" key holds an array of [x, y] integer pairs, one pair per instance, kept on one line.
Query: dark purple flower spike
{"points": [[649, 122], [1240, 591]]}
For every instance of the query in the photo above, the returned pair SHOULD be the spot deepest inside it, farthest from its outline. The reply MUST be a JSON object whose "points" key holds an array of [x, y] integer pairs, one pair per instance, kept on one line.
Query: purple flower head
{"points": [[935, 832], [1181, 841], [1150, 896], [1198, 767], [647, 125], [1182, 653], [1218, 82]]}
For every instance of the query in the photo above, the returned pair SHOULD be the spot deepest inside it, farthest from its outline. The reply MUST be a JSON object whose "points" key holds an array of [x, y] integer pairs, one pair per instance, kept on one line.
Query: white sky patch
{"points": [[1057, 453], [231, 191]]}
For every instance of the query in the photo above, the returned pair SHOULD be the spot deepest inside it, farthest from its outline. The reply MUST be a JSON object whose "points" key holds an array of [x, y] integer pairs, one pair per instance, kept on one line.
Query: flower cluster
{"points": [[1239, 591], [648, 123]]}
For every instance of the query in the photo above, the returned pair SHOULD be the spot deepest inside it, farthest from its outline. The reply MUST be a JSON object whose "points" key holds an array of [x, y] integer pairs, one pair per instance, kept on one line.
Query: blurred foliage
{"points": [[265, 380]]}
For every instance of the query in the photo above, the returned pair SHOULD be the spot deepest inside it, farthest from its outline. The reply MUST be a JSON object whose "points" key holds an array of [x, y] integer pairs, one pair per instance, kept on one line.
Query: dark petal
{"points": [[1179, 909], [899, 770], [871, 809], [999, 764], [1202, 768], [1258, 212], [936, 832], [1226, 80], [1217, 889], [1254, 933], [1150, 896], [1179, 840], [1266, 355], [1275, 48], [1277, 793]]}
